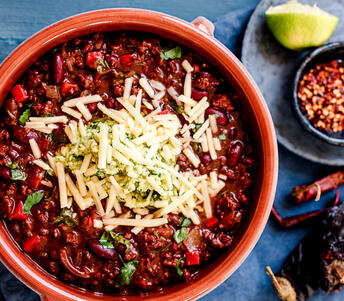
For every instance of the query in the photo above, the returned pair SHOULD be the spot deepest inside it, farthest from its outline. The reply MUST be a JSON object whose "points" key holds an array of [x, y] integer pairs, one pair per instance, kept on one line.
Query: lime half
{"points": [[298, 26]]}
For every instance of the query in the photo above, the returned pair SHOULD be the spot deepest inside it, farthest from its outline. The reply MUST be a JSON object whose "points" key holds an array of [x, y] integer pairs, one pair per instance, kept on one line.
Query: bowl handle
{"points": [[204, 24]]}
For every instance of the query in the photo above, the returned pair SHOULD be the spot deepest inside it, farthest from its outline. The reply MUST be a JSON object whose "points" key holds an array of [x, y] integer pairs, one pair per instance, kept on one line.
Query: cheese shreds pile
{"points": [[128, 159]]}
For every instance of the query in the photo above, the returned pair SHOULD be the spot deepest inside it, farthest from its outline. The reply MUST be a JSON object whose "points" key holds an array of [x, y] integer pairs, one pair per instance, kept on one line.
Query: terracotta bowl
{"points": [[197, 35]]}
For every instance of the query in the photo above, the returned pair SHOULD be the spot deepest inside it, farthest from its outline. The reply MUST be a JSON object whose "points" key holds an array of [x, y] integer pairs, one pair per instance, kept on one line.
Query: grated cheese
{"points": [[71, 112], [62, 184], [84, 111], [146, 86], [103, 143], [35, 148], [135, 222], [84, 99], [187, 66], [42, 164], [54, 119]]}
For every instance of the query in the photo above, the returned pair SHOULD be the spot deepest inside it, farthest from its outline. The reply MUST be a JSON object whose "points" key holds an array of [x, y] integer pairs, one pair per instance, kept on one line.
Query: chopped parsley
{"points": [[24, 116], [31, 200], [127, 271], [186, 222], [171, 54], [12, 165], [178, 109], [102, 65], [18, 174], [222, 137], [179, 270], [180, 235], [110, 240], [46, 115], [66, 217]]}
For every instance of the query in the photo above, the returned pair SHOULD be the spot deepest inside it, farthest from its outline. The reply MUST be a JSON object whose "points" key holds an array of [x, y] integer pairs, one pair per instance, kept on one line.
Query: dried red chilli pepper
{"points": [[304, 193], [294, 220], [317, 261]]}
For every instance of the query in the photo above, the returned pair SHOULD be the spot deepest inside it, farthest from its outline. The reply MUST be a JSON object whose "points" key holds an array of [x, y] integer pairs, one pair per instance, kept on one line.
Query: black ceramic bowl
{"points": [[323, 54]]}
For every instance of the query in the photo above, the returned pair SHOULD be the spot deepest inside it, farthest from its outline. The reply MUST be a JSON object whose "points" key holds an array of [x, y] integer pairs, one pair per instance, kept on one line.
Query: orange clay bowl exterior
{"points": [[198, 36]]}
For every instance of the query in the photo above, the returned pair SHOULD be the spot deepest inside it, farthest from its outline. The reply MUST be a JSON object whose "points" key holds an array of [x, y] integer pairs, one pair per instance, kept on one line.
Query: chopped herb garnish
{"points": [[173, 53], [24, 116], [46, 115], [12, 165], [66, 217], [79, 52], [197, 127], [179, 271], [178, 109], [102, 65], [216, 115], [99, 173], [18, 174], [31, 200], [127, 271], [180, 235], [222, 137], [223, 193], [51, 136], [110, 240], [186, 222]]}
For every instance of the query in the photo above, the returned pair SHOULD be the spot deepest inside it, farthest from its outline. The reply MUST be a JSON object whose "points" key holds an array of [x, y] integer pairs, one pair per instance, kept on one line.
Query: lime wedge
{"points": [[298, 26]]}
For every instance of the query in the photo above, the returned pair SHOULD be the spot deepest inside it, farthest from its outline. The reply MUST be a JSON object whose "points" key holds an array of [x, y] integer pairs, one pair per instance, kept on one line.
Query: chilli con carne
{"points": [[124, 164]]}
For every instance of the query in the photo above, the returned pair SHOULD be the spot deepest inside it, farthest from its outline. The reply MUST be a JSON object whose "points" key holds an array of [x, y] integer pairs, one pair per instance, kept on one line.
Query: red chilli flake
{"points": [[321, 96]]}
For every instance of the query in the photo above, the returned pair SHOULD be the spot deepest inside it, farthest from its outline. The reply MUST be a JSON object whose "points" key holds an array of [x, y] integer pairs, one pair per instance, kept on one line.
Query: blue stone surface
{"points": [[20, 19]]}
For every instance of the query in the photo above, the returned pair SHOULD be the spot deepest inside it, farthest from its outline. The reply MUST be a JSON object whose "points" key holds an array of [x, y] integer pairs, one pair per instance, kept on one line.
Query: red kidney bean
{"points": [[101, 251], [205, 158], [5, 173], [198, 94], [235, 153], [92, 107], [58, 68], [221, 118], [22, 134]]}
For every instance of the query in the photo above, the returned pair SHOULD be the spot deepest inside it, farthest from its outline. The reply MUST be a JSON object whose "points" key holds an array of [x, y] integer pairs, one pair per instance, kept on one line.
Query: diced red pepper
{"points": [[126, 59], [212, 222], [69, 88], [18, 212], [92, 59], [31, 243], [193, 258], [164, 112], [19, 93]]}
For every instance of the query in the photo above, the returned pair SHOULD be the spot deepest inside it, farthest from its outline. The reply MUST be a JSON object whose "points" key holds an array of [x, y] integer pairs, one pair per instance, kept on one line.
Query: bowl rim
{"points": [[39, 280], [305, 65]]}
